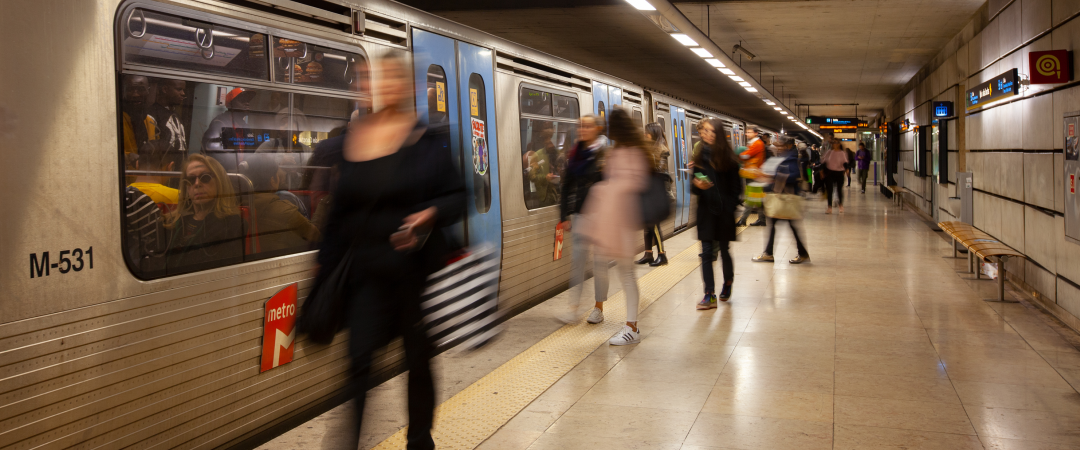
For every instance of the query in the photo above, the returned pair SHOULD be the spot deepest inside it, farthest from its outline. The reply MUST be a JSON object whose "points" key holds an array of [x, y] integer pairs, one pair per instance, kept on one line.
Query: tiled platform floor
{"points": [[878, 343]]}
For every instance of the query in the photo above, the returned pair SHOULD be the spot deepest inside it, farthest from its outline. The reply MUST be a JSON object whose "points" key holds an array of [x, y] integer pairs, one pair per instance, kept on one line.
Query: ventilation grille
{"points": [[662, 106], [532, 69], [383, 28], [694, 114], [326, 14], [631, 97]]}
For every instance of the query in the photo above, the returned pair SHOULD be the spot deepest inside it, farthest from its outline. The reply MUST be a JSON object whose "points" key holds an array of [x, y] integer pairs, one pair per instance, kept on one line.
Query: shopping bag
{"points": [[755, 195], [784, 206], [460, 302]]}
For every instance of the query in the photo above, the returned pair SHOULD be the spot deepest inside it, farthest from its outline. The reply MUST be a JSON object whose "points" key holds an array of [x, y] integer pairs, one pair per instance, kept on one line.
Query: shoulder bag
{"points": [[656, 204]]}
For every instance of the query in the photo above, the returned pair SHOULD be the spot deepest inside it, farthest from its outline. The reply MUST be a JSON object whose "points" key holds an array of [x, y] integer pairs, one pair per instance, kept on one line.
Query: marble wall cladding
{"points": [[1068, 253], [1059, 183], [1039, 179], [1039, 240], [991, 44], [1035, 18], [1012, 225], [962, 64], [1038, 123], [954, 162], [974, 54], [1010, 27], [978, 174], [1041, 280], [1068, 297], [1063, 9], [995, 7]]}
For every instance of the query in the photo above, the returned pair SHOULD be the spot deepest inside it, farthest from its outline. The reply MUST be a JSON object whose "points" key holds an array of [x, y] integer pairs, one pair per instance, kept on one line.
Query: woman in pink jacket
{"points": [[612, 216]]}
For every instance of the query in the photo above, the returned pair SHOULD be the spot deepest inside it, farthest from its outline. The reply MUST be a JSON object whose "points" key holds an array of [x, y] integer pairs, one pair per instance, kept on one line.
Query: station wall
{"points": [[1012, 147]]}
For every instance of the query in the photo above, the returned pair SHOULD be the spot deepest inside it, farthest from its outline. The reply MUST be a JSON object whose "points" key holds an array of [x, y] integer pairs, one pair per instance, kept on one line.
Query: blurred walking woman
{"points": [[612, 215], [717, 185], [397, 186], [658, 149]]}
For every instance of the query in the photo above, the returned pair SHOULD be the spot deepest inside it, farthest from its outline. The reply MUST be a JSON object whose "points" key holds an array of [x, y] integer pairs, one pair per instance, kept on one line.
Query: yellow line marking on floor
{"points": [[474, 414]]}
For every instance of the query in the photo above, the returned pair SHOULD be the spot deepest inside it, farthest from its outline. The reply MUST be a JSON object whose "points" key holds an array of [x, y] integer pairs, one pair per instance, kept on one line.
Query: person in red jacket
{"points": [[752, 159]]}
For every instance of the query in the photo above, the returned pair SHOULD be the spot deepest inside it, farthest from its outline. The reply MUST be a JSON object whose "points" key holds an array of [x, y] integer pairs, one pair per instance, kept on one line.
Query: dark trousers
{"points": [[379, 312], [794, 231], [834, 179], [709, 249], [849, 177], [653, 237]]}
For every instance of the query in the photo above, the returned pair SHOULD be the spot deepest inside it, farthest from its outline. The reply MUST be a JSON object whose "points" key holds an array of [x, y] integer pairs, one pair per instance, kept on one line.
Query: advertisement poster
{"points": [[480, 157], [440, 96], [558, 241], [279, 331]]}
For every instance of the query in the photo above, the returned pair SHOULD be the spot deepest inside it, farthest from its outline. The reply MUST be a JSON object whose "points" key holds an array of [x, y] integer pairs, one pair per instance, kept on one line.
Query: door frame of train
{"points": [[473, 59], [677, 115]]}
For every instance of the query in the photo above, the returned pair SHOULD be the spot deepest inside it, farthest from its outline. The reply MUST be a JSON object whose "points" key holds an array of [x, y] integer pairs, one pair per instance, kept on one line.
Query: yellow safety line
{"points": [[474, 414]]}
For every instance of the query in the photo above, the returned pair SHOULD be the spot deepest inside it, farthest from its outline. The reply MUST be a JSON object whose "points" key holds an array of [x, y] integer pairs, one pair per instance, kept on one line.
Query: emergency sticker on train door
{"points": [[479, 145], [279, 328]]}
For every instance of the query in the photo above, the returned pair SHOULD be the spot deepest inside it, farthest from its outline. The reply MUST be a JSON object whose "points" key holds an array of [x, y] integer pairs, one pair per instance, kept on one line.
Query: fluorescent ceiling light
{"points": [[727, 71], [736, 78], [641, 5], [744, 84], [778, 108], [750, 89], [715, 62], [684, 39], [769, 102], [701, 52]]}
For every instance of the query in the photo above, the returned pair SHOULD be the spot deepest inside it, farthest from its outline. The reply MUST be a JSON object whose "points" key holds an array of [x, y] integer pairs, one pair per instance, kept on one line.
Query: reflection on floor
{"points": [[878, 343]]}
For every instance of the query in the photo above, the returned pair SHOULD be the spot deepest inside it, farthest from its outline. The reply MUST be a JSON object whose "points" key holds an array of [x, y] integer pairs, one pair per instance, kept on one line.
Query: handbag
{"points": [[322, 314], [461, 302], [656, 204], [784, 206]]}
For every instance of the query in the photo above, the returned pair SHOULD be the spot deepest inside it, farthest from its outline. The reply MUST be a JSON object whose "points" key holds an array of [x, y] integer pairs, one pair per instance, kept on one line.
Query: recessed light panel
{"points": [[684, 39], [641, 5], [701, 52]]}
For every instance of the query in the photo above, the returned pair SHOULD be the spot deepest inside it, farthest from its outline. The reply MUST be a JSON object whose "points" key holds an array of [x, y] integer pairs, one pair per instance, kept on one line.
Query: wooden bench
{"points": [[981, 247], [896, 195]]}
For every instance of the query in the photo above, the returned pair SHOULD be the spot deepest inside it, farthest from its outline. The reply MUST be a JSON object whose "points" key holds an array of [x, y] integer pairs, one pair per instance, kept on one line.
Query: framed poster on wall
{"points": [[1072, 176]]}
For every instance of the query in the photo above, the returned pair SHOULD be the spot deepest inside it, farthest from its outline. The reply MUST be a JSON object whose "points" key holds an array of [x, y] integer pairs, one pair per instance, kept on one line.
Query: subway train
{"points": [[110, 340]]}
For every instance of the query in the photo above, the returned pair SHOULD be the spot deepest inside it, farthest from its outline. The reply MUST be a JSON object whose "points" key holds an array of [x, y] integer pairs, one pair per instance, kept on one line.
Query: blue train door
{"points": [[481, 164], [614, 97], [682, 156], [455, 94]]}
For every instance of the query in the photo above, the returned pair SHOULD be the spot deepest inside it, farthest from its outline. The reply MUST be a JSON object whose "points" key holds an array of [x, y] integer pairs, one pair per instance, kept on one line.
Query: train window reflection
{"points": [[165, 40], [249, 184], [481, 156], [566, 107], [313, 65], [535, 102], [545, 144]]}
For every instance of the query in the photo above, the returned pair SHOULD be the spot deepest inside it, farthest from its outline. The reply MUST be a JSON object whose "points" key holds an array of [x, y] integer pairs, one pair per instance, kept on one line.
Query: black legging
{"points": [[709, 249], [794, 230], [834, 179], [378, 312], [653, 237]]}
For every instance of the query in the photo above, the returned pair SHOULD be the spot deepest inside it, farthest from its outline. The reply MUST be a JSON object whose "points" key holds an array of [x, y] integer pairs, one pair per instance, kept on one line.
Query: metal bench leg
{"points": [[1001, 281], [954, 248]]}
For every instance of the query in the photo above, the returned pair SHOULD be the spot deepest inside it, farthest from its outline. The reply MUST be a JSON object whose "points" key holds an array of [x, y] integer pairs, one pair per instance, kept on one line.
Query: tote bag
{"points": [[784, 206], [656, 204], [460, 303]]}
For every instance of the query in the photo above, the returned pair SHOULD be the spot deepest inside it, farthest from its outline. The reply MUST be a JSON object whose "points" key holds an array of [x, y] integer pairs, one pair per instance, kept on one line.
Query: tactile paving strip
{"points": [[474, 414]]}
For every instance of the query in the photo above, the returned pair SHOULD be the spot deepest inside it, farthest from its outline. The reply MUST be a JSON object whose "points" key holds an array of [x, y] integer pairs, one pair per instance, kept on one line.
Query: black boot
{"points": [[741, 223], [661, 260], [725, 293], [645, 259], [760, 222]]}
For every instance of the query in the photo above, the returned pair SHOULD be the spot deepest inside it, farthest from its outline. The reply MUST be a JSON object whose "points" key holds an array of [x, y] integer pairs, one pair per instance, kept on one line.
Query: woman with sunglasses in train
{"points": [[205, 228]]}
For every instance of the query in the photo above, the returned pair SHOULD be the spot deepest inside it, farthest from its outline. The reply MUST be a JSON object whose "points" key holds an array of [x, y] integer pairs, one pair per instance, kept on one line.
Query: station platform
{"points": [[879, 342]]}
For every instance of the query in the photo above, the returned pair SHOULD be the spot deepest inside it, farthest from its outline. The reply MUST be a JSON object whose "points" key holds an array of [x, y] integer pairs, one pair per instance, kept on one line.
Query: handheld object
{"points": [[702, 177]]}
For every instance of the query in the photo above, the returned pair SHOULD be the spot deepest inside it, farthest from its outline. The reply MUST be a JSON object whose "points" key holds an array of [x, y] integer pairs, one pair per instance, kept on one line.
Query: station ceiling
{"points": [[817, 52]]}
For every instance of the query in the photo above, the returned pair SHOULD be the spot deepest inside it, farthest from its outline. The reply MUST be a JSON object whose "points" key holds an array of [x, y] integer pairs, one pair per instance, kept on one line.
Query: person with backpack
{"points": [[717, 184], [612, 216]]}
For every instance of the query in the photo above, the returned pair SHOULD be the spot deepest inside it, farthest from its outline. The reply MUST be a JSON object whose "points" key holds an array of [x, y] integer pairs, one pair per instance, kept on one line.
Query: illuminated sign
{"points": [[279, 331], [1002, 86], [1050, 67], [943, 109], [828, 122]]}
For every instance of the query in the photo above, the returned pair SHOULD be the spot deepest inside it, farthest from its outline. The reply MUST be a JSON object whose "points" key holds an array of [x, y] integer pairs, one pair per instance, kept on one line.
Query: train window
{"points": [[545, 142], [566, 107], [218, 174], [639, 118], [164, 40], [535, 102], [313, 65], [438, 112], [481, 158], [602, 112]]}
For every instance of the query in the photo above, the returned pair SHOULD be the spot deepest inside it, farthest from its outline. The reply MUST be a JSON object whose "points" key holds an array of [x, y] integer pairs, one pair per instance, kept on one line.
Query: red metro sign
{"points": [[279, 330], [1050, 67]]}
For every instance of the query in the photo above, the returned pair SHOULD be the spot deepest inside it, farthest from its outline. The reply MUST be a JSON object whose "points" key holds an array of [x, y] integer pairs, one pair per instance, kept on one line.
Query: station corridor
{"points": [[880, 342]]}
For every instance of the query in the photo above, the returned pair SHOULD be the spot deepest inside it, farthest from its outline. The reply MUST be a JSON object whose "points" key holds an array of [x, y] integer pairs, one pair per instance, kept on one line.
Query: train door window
{"points": [[547, 135], [639, 118], [695, 137], [313, 65], [481, 158], [602, 112], [535, 102], [165, 40], [438, 112]]}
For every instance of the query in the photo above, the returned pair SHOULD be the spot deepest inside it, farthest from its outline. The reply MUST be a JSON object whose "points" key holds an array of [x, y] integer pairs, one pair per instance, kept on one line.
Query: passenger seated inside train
{"points": [[282, 228], [541, 188], [144, 232], [205, 230]]}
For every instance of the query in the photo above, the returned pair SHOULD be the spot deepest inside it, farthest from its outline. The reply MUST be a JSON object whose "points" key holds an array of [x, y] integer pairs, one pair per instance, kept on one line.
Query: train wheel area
{"points": [[880, 340]]}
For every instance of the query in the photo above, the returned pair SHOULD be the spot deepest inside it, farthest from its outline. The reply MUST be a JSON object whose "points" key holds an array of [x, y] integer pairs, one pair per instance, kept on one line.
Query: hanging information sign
{"points": [[1002, 86]]}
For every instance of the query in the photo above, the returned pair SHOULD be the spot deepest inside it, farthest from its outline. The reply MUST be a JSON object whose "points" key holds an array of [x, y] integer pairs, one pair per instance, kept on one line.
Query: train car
{"points": [[108, 339]]}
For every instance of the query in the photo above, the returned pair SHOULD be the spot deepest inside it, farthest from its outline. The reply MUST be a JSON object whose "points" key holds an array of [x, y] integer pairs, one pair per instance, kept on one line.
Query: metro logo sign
{"points": [[279, 330], [1050, 67]]}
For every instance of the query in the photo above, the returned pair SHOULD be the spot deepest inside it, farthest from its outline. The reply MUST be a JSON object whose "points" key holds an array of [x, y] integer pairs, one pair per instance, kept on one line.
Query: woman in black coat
{"points": [[717, 185]]}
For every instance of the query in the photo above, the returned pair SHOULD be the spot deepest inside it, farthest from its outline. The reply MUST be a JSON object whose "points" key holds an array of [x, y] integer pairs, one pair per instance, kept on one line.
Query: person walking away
{"points": [[397, 189], [582, 172], [850, 164], [654, 135], [784, 180], [815, 170], [612, 215], [835, 161], [717, 184], [752, 159], [862, 157]]}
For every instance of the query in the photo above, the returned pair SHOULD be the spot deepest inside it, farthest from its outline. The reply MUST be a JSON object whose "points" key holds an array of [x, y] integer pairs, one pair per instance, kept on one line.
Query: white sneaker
{"points": [[626, 336], [596, 316]]}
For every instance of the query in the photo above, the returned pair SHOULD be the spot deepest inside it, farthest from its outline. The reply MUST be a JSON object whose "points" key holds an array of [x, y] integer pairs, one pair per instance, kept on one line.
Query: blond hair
{"points": [[224, 203]]}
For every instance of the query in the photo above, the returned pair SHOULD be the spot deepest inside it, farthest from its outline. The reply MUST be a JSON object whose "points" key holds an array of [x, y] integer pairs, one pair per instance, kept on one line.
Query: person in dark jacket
{"points": [[717, 184], [397, 189], [205, 230], [582, 172], [785, 179]]}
